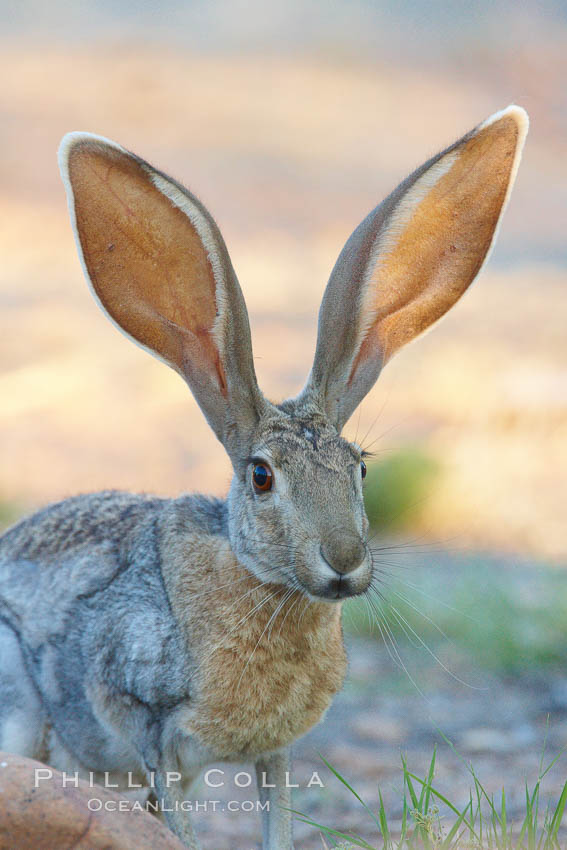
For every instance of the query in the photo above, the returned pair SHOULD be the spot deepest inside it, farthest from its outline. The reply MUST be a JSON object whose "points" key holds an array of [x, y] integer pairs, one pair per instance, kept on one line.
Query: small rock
{"points": [[372, 727], [559, 695], [497, 740]]}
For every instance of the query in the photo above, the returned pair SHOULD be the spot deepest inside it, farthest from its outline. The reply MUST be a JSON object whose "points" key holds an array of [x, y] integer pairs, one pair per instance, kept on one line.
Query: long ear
{"points": [[159, 268], [410, 260]]}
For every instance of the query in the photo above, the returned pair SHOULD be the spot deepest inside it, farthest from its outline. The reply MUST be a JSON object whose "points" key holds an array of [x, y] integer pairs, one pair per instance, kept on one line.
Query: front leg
{"points": [[276, 819], [171, 798]]}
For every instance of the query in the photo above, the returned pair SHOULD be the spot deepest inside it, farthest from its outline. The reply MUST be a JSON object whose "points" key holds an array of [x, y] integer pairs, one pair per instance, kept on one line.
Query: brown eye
{"points": [[363, 469], [262, 477]]}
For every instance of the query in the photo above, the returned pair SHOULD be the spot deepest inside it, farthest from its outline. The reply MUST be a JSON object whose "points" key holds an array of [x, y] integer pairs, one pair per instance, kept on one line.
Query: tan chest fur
{"points": [[263, 676]]}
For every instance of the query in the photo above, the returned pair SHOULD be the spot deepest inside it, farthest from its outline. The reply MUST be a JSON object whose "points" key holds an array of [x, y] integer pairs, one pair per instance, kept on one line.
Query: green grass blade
{"points": [[352, 791], [425, 795], [552, 763], [437, 794], [404, 821], [409, 784], [557, 818], [446, 844], [353, 839], [383, 821], [503, 821]]}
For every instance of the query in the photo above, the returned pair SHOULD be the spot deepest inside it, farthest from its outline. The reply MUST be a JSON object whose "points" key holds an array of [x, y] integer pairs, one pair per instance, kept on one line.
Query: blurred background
{"points": [[291, 120]]}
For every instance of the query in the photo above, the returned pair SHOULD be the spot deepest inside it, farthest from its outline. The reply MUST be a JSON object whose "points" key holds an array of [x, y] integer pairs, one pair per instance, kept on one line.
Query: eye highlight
{"points": [[262, 477], [362, 469]]}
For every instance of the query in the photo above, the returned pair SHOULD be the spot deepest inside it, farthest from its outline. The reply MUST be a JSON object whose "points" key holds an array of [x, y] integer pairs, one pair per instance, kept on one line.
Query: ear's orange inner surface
{"points": [[440, 250], [144, 257]]}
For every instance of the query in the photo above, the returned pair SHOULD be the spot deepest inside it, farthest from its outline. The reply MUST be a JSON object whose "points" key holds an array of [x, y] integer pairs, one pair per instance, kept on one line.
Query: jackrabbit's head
{"points": [[159, 268]]}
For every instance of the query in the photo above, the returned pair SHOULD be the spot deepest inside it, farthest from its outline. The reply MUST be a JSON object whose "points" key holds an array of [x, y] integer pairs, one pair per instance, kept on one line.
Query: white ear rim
{"points": [[207, 236], [68, 142], [387, 239], [523, 122]]}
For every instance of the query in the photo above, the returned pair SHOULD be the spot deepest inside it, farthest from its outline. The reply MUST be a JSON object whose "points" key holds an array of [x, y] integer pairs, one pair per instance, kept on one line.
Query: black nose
{"points": [[343, 551]]}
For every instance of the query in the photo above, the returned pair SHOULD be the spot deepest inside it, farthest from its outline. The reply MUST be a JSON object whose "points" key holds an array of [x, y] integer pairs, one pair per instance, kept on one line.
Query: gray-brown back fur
{"points": [[81, 584]]}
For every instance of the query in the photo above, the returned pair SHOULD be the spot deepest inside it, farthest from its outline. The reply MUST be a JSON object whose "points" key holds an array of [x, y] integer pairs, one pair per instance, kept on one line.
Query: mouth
{"points": [[339, 588]]}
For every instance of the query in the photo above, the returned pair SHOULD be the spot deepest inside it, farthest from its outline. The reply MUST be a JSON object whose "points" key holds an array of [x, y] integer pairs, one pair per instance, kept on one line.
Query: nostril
{"points": [[343, 558], [326, 558]]}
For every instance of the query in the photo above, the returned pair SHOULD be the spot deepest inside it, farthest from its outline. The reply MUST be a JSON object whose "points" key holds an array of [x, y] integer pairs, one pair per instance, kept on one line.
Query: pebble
{"points": [[371, 726], [558, 695], [485, 739]]}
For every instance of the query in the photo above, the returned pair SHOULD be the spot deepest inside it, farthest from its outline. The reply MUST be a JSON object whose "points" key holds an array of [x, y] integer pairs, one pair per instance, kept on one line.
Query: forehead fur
{"points": [[291, 433]]}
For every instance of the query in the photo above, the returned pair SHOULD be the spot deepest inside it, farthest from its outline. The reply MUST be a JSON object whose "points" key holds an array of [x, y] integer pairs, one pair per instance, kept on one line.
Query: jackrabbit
{"points": [[153, 635]]}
